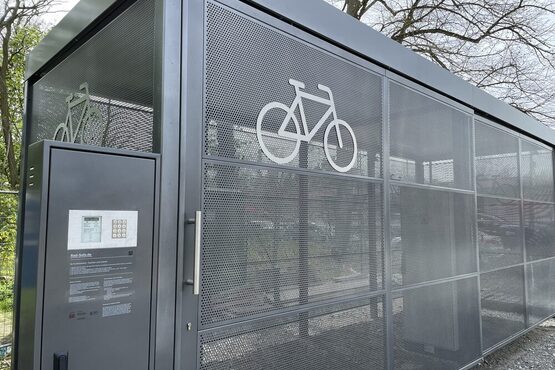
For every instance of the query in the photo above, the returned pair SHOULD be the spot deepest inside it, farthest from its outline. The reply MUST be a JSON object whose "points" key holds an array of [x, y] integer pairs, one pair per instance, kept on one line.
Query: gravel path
{"points": [[535, 350]]}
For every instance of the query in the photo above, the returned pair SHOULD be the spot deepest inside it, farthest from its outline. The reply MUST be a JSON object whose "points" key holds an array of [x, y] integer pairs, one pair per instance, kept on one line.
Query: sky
{"points": [[58, 12]]}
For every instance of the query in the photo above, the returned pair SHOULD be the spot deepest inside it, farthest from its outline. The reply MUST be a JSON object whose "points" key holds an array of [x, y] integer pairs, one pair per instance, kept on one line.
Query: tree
{"points": [[18, 35], [505, 47]]}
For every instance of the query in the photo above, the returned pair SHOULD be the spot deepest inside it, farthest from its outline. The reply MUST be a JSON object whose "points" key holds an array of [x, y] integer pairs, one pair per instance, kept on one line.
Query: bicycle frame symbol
{"points": [[66, 131], [306, 134]]}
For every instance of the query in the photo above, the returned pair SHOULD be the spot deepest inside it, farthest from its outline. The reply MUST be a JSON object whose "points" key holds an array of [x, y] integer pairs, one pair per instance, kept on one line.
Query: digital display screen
{"points": [[91, 229]]}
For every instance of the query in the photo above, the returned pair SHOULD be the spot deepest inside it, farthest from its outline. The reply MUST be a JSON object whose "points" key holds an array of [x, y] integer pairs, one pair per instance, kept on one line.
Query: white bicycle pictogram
{"points": [[306, 134], [68, 131]]}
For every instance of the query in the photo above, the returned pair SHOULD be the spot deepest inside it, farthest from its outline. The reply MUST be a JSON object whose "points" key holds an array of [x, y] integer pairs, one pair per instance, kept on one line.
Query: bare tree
{"points": [[505, 47], [14, 16]]}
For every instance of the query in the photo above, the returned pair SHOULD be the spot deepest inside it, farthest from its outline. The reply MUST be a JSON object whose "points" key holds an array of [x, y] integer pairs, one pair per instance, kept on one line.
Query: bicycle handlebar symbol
{"points": [[305, 134], [66, 131]]}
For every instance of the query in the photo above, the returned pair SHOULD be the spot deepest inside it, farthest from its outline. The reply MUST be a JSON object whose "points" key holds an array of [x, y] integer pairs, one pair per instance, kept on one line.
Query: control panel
{"points": [[85, 279]]}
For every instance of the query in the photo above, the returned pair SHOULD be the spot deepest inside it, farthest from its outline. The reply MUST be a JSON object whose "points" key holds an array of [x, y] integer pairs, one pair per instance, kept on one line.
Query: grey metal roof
{"points": [[325, 20], [75, 22]]}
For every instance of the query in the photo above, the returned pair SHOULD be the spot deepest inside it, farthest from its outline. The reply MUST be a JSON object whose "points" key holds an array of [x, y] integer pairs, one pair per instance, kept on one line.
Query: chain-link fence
{"points": [[8, 231]]}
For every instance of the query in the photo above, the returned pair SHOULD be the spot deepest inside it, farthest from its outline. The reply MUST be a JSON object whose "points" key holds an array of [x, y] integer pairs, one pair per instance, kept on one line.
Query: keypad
{"points": [[119, 229]]}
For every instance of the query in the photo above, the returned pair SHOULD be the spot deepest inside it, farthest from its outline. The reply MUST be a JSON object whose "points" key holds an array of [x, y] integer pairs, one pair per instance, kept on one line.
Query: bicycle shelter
{"points": [[270, 184]]}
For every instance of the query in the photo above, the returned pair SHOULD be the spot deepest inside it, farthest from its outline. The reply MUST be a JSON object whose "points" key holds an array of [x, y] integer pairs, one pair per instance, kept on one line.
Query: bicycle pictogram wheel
{"points": [[62, 133], [264, 136], [337, 123]]}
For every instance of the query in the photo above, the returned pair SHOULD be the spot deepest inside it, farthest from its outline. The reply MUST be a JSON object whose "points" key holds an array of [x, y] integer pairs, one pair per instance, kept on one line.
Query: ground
{"points": [[535, 350]]}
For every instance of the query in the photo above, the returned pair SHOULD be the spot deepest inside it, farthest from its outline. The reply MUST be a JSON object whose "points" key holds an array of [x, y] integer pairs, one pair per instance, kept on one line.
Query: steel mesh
{"points": [[432, 234], [340, 336], [539, 230], [496, 162], [120, 79], [248, 65], [502, 295], [541, 290], [270, 243], [499, 233], [537, 172], [437, 326], [430, 141]]}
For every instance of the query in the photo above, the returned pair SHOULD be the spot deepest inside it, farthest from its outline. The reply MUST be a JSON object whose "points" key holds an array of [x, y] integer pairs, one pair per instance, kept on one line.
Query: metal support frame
{"points": [[387, 230], [192, 46], [523, 231], [476, 237], [167, 110]]}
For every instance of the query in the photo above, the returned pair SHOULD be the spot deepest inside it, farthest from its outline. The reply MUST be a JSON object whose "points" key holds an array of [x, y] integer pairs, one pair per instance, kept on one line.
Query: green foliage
{"points": [[8, 231], [21, 43], [8, 221], [22, 40], [6, 294]]}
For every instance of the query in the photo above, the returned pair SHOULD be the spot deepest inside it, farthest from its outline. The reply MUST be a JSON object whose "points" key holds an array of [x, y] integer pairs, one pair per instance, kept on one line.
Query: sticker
{"points": [[101, 283], [88, 229], [116, 309]]}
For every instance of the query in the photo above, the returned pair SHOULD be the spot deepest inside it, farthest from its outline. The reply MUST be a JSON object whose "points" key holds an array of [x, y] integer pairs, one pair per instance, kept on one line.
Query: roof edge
{"points": [[66, 31], [333, 25]]}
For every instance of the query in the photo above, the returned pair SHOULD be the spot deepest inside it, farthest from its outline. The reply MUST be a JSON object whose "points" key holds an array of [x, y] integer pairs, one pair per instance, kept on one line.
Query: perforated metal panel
{"points": [[502, 295], [537, 172], [286, 227], [249, 65], [541, 290], [539, 230], [340, 336], [496, 162], [499, 233], [283, 226], [432, 235], [437, 326], [274, 239], [117, 64], [430, 141]]}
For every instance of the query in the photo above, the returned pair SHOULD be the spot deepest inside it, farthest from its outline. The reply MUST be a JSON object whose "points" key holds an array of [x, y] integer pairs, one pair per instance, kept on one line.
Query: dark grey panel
{"points": [[432, 234], [28, 318], [502, 296], [499, 233], [117, 63], [539, 230], [102, 318], [537, 172], [341, 336], [437, 327], [541, 290], [273, 239], [249, 65], [496, 162], [431, 142]]}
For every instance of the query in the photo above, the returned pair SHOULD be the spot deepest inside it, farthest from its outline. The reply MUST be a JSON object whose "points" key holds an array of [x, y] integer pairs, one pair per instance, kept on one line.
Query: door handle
{"points": [[61, 360], [195, 282], [196, 271]]}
